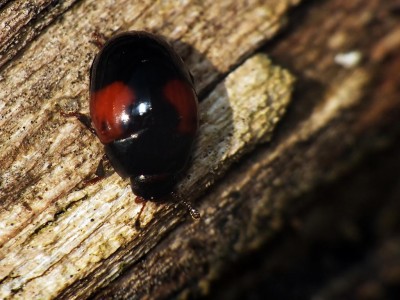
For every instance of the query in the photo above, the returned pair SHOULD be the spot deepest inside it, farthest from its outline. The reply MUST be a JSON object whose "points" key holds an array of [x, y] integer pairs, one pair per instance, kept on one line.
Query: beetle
{"points": [[144, 110]]}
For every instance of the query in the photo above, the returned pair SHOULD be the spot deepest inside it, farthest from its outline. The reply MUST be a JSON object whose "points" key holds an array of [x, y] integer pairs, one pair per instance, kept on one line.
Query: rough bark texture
{"points": [[267, 209]]}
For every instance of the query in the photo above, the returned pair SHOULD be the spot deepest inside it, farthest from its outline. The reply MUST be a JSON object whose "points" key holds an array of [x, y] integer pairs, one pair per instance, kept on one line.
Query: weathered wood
{"points": [[57, 237], [21, 21], [61, 240], [338, 114]]}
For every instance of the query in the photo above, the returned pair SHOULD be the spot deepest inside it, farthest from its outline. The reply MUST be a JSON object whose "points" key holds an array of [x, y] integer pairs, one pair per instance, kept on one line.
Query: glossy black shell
{"points": [[144, 109]]}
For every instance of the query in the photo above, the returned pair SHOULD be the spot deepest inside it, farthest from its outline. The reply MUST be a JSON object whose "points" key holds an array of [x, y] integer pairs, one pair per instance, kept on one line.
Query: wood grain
{"points": [[58, 237], [338, 116], [267, 142], [21, 21]]}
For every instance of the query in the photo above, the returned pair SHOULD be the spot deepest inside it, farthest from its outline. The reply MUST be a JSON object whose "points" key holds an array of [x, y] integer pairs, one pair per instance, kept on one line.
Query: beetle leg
{"points": [[84, 119], [98, 39], [100, 173], [139, 200]]}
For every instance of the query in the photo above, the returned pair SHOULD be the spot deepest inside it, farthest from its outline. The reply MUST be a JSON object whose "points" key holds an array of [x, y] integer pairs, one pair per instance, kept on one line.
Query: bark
{"points": [[267, 141]]}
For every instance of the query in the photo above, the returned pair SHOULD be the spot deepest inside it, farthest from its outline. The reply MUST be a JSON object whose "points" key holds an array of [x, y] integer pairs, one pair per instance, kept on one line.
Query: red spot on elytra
{"points": [[183, 99], [108, 108]]}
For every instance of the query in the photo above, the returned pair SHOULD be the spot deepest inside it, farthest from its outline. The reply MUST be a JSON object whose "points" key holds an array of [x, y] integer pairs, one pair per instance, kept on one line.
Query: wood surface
{"points": [[293, 95]]}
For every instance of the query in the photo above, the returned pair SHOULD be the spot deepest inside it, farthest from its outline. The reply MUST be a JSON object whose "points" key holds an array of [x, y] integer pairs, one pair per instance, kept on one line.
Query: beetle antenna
{"points": [[194, 212]]}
